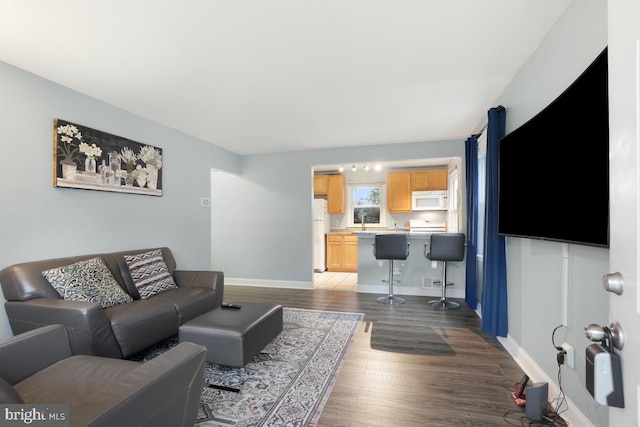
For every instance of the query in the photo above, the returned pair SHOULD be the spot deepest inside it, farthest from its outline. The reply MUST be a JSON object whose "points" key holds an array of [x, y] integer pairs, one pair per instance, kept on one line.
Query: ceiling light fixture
{"points": [[378, 167], [341, 168], [366, 167], [353, 168]]}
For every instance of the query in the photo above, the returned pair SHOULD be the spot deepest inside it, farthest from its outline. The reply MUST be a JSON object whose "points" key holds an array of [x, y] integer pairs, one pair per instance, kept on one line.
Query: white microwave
{"points": [[429, 201]]}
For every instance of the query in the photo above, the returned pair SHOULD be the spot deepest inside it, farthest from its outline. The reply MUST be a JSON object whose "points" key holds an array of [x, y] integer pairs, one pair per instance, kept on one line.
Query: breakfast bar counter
{"points": [[416, 273]]}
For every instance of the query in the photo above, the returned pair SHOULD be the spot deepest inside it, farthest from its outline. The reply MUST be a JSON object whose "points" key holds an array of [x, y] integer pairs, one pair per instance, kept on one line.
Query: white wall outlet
{"points": [[570, 357], [396, 271]]}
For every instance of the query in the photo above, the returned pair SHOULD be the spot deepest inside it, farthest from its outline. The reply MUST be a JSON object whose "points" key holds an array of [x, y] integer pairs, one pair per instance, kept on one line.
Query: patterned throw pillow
{"points": [[89, 280], [150, 274]]}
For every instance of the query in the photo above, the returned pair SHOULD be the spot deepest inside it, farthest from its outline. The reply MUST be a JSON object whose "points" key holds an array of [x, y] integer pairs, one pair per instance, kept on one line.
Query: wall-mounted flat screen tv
{"points": [[553, 176]]}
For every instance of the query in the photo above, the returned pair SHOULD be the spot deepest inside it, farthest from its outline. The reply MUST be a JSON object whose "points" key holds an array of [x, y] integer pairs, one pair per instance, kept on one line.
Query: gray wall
{"points": [[264, 214], [38, 221], [534, 268]]}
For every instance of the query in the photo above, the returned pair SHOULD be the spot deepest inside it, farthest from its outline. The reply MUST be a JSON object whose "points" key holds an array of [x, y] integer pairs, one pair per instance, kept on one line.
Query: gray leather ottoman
{"points": [[233, 337]]}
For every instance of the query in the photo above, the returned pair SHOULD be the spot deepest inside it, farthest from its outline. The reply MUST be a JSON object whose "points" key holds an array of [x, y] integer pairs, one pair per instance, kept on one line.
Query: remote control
{"points": [[230, 305]]}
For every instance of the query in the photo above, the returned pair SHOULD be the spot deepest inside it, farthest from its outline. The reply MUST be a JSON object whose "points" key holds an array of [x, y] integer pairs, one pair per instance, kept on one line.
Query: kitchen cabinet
{"points": [[438, 179], [429, 180], [320, 185], [351, 253], [401, 184], [399, 192], [335, 193], [333, 187], [342, 252]]}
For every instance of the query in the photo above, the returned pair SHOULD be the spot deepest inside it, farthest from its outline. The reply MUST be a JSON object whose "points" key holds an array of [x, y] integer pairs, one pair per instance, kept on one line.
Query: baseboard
{"points": [[408, 290], [572, 415], [365, 289], [289, 284]]}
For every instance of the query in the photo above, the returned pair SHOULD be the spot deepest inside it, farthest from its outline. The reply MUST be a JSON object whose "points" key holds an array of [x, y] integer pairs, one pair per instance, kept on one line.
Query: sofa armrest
{"points": [[203, 279], [162, 392], [27, 353], [87, 325]]}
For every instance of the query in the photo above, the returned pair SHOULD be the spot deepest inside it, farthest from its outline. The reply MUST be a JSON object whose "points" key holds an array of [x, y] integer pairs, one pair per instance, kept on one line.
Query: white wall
{"points": [[38, 221], [535, 268]]}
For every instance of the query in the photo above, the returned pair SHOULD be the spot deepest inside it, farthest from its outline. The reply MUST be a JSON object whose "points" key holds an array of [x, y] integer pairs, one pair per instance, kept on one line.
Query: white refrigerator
{"points": [[321, 226]]}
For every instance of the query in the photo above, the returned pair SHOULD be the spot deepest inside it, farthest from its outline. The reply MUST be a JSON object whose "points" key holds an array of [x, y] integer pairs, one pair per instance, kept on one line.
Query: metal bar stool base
{"points": [[443, 303], [391, 300]]}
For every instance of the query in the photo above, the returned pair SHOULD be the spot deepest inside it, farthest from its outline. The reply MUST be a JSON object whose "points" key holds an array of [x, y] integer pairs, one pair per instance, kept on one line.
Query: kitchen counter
{"points": [[371, 233], [411, 235]]}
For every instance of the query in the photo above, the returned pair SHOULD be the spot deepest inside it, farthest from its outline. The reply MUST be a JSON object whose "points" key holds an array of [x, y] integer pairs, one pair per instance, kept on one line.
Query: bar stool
{"points": [[445, 247], [391, 247]]}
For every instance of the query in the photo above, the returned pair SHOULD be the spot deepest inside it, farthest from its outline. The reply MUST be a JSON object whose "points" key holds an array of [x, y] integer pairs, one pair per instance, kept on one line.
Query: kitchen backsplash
{"points": [[401, 219]]}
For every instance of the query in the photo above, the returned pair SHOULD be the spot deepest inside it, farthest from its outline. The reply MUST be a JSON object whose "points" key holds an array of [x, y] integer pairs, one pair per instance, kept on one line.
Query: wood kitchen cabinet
{"points": [[342, 252], [333, 187], [320, 185], [351, 253], [335, 193], [401, 184], [399, 192], [429, 180], [438, 179]]}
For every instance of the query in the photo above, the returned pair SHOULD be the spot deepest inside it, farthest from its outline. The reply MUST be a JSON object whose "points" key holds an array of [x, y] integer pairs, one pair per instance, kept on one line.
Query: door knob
{"points": [[612, 336], [613, 282]]}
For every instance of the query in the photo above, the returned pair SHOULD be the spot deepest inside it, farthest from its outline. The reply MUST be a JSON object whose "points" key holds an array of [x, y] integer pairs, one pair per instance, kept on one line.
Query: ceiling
{"points": [[271, 76]]}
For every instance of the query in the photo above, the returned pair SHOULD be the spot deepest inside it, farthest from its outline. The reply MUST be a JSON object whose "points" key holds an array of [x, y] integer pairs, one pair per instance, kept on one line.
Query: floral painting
{"points": [[94, 160]]}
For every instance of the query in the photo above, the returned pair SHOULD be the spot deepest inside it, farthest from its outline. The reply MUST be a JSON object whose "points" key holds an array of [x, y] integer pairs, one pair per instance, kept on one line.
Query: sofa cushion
{"points": [[88, 280], [189, 302], [150, 273], [8, 394], [73, 380], [142, 323]]}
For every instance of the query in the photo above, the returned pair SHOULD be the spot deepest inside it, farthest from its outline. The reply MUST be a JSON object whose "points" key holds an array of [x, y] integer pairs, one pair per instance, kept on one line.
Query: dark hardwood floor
{"points": [[410, 364]]}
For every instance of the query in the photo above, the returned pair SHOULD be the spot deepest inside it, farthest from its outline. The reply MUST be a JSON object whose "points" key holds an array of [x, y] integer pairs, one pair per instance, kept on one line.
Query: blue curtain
{"points": [[471, 162], [494, 291]]}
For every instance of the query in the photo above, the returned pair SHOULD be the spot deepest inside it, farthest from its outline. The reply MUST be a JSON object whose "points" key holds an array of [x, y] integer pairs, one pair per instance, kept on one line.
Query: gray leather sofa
{"points": [[39, 367], [119, 331]]}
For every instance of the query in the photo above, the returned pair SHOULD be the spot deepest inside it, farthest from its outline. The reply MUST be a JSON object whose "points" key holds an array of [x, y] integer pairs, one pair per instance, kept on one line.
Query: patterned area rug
{"points": [[288, 383]]}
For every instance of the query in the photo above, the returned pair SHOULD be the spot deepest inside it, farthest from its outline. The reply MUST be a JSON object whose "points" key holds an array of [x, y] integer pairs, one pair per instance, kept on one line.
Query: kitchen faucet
{"points": [[362, 217]]}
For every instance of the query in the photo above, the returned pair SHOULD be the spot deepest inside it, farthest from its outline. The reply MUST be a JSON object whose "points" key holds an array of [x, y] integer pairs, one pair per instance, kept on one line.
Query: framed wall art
{"points": [[90, 159]]}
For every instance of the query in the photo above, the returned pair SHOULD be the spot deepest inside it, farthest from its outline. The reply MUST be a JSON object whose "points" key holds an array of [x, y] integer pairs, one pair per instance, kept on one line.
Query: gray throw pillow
{"points": [[89, 280], [150, 273]]}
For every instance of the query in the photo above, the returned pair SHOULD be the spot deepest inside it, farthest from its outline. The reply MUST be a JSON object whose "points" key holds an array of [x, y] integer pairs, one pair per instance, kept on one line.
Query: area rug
{"points": [[288, 383]]}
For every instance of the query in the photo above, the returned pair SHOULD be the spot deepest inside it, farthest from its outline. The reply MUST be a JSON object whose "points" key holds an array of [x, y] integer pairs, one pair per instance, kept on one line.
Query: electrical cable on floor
{"points": [[551, 415]]}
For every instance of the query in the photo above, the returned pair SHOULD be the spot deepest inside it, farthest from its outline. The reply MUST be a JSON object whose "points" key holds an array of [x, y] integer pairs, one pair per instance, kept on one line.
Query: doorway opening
{"points": [[335, 280]]}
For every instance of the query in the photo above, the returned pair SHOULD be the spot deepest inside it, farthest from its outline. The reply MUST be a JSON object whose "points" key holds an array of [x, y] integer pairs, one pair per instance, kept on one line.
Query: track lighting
{"points": [[353, 168]]}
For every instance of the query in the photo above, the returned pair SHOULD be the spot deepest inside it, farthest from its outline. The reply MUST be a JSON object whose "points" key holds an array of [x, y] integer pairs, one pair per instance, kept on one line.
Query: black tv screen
{"points": [[553, 176]]}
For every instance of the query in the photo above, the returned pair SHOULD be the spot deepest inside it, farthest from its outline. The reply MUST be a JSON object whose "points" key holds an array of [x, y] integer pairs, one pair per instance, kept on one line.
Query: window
{"points": [[482, 184], [454, 201], [366, 202]]}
